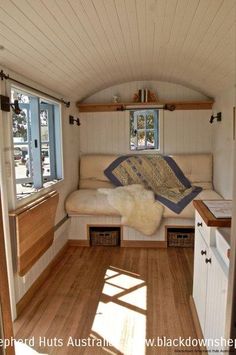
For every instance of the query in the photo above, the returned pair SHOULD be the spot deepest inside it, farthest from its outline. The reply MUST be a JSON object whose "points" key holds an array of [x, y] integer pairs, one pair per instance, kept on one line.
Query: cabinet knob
{"points": [[203, 252], [208, 260], [199, 224]]}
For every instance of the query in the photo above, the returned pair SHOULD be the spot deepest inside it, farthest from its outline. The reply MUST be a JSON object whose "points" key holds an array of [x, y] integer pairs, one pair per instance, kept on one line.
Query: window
{"points": [[144, 130], [36, 142]]}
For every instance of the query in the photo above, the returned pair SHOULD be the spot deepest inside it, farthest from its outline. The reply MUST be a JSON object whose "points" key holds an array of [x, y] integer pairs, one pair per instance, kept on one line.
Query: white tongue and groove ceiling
{"points": [[78, 47]]}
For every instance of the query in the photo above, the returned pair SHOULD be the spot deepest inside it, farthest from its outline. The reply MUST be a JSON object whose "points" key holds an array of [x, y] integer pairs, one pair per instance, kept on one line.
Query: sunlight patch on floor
{"points": [[123, 328], [111, 290], [122, 271], [121, 318], [125, 281], [110, 273], [137, 298]]}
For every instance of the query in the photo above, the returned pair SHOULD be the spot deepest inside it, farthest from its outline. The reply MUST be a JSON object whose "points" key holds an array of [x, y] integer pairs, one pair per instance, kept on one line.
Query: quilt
{"points": [[155, 172]]}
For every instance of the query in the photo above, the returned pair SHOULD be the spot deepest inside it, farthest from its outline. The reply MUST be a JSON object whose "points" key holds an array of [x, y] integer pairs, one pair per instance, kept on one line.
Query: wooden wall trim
{"points": [[78, 243], [20, 306], [4, 291], [123, 243], [143, 244], [109, 107]]}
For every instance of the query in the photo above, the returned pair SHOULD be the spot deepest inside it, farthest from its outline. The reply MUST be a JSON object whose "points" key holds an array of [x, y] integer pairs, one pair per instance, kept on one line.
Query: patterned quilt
{"points": [[157, 173]]}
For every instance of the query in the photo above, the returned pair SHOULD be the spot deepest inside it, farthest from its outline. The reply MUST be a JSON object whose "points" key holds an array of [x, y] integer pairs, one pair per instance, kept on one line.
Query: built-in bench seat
{"points": [[91, 202], [87, 201]]}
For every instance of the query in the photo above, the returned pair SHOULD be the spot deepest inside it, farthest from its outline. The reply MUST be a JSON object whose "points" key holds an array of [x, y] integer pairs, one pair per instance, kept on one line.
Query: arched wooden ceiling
{"points": [[77, 47]]}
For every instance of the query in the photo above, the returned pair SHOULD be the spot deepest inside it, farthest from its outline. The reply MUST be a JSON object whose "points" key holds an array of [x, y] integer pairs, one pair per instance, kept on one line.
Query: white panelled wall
{"points": [[79, 227], [108, 132], [223, 144], [184, 131]]}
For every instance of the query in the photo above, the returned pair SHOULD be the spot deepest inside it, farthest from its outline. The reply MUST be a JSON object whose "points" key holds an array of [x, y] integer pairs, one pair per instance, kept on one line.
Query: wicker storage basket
{"points": [[108, 238], [181, 238]]}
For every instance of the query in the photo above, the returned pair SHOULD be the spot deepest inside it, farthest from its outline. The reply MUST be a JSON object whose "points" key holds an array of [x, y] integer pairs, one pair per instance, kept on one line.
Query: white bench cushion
{"points": [[91, 202]]}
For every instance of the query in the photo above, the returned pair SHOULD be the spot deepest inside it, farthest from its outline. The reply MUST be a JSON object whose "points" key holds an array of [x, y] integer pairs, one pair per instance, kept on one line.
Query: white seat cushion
{"points": [[92, 168], [196, 167], [91, 202]]}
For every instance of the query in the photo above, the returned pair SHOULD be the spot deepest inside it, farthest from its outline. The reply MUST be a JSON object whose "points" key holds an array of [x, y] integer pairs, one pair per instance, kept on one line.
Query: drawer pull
{"points": [[203, 252], [208, 260], [199, 224]]}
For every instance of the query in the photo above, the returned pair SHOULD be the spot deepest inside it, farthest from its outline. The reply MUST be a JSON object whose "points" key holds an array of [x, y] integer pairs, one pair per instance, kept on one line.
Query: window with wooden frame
{"points": [[144, 130], [37, 142]]}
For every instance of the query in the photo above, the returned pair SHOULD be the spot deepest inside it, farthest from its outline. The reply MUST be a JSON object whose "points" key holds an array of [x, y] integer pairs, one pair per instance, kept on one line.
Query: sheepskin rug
{"points": [[137, 207]]}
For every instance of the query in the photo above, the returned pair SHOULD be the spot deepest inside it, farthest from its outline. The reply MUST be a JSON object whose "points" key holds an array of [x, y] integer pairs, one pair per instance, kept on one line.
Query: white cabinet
{"points": [[210, 283], [201, 251], [216, 299]]}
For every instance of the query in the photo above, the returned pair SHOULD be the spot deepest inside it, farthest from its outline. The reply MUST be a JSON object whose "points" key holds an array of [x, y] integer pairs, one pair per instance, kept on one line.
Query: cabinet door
{"points": [[201, 251], [216, 298]]}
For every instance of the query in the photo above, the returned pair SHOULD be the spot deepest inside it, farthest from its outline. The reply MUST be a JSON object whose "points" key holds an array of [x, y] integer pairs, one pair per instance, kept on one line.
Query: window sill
{"points": [[146, 151], [35, 193]]}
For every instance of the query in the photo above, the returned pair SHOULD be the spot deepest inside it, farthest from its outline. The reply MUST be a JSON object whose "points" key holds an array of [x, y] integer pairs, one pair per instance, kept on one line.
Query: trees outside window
{"points": [[37, 149], [144, 129]]}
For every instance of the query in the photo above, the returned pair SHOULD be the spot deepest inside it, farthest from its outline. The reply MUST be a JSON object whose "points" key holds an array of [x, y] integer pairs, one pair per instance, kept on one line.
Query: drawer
{"points": [[206, 232]]}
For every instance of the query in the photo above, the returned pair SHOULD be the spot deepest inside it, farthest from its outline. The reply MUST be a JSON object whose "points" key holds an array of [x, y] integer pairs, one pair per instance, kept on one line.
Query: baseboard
{"points": [[78, 243], [143, 244], [196, 322], [39, 281]]}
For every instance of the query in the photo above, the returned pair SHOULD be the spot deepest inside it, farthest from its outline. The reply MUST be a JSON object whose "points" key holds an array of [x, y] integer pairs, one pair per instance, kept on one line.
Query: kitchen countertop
{"points": [[208, 217]]}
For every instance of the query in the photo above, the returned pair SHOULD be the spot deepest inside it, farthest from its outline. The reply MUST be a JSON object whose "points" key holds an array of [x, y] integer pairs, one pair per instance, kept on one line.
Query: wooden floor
{"points": [[122, 295]]}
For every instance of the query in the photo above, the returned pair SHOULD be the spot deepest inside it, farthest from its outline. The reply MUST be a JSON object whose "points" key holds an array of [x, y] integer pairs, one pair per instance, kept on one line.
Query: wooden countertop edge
{"points": [[208, 217]]}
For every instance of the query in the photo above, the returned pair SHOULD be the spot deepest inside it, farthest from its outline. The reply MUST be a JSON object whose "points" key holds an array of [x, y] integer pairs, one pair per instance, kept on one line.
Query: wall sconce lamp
{"points": [[72, 120], [218, 117], [169, 107], [6, 105]]}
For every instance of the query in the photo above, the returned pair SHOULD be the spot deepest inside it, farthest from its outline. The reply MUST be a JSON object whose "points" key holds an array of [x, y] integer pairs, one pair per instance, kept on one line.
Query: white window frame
{"points": [[44, 181], [160, 149]]}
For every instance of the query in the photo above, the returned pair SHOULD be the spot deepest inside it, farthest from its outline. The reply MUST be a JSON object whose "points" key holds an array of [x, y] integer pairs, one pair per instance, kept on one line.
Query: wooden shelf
{"points": [[121, 106]]}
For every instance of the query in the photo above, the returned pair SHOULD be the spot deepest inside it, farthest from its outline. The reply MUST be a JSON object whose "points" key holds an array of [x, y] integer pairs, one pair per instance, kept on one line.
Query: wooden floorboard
{"points": [[121, 295]]}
